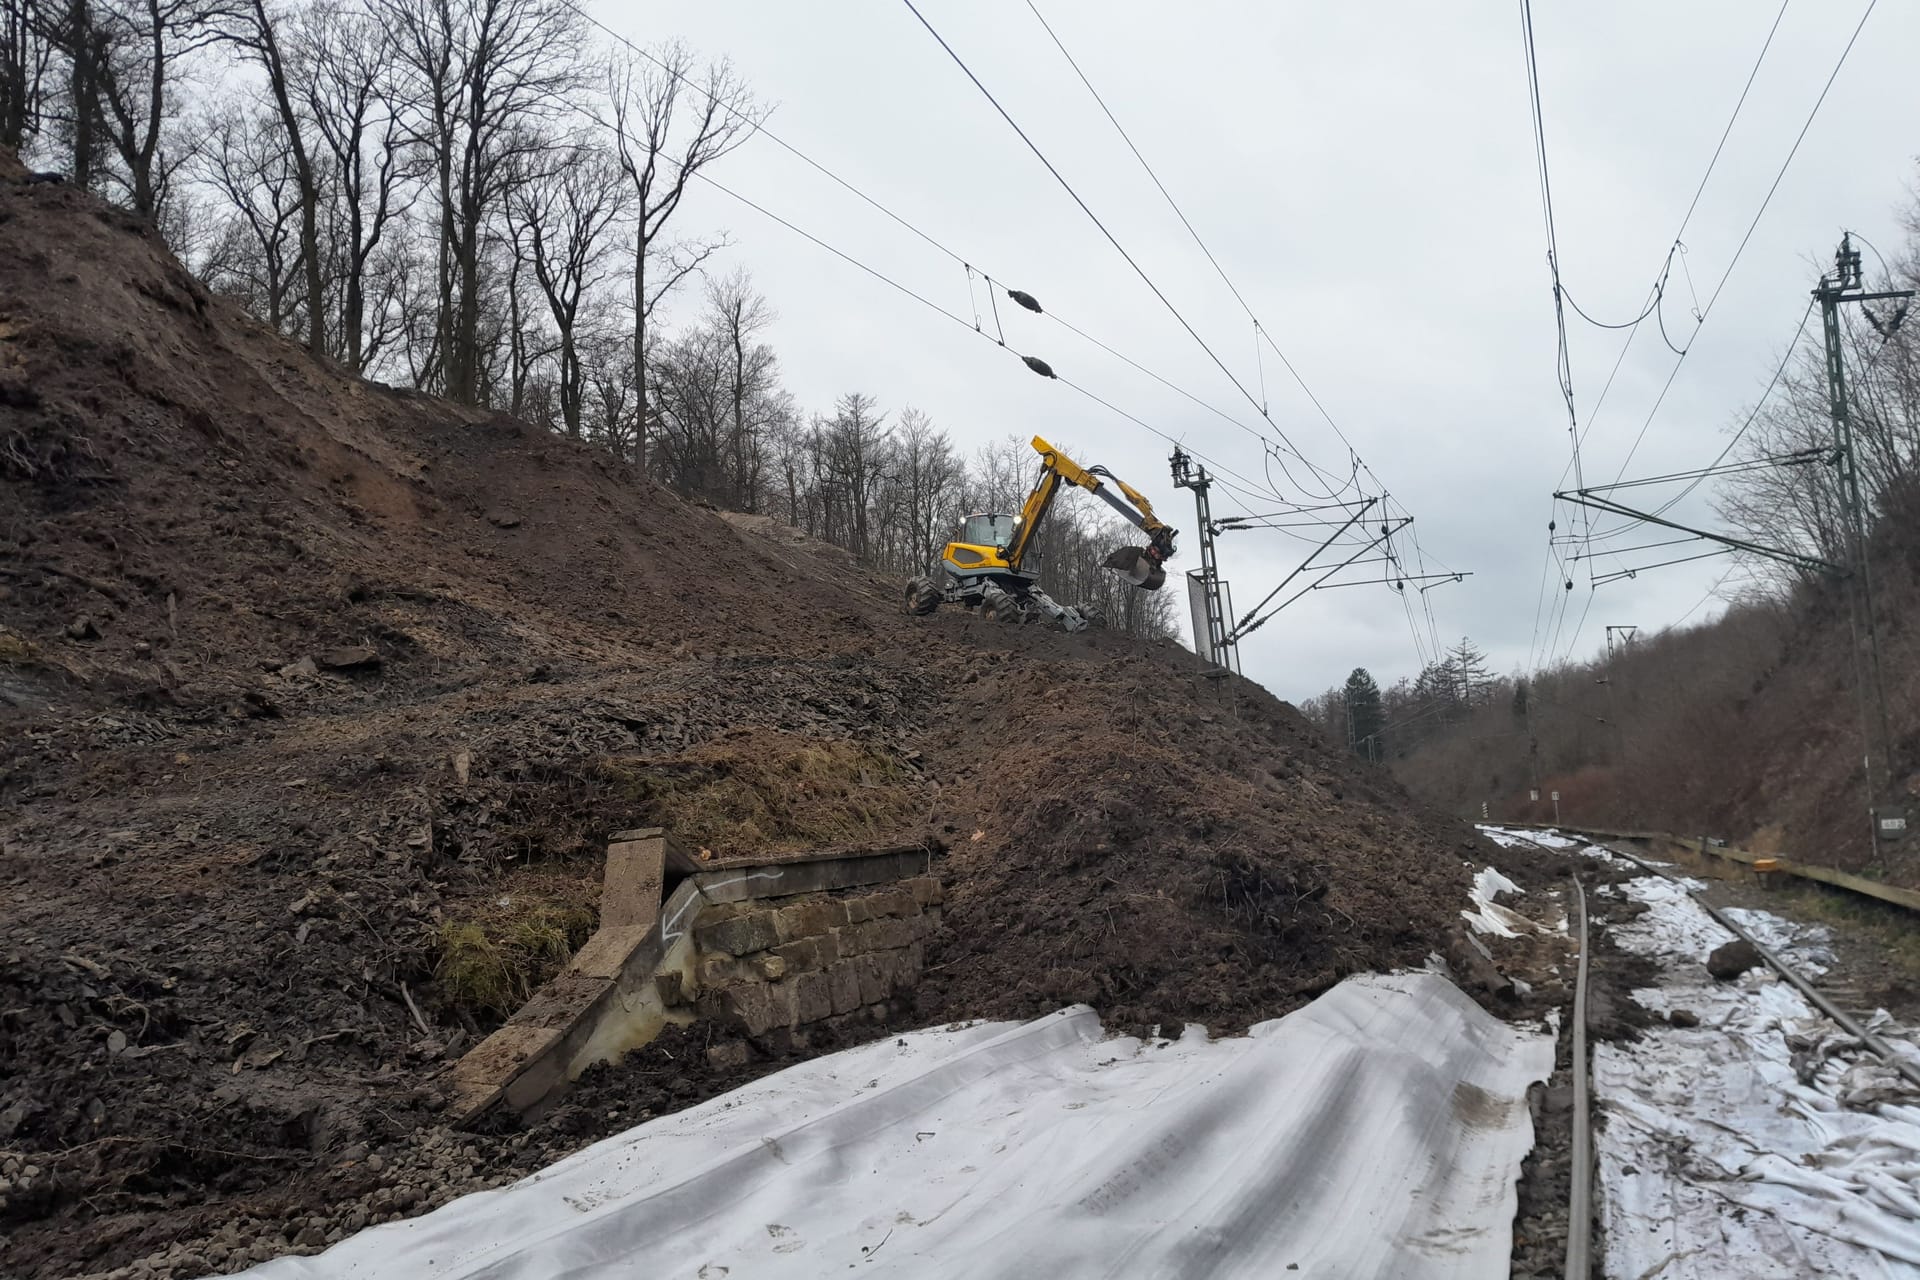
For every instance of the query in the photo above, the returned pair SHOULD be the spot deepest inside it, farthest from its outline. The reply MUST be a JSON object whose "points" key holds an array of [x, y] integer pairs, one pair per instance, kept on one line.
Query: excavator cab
{"points": [[985, 566], [981, 548], [988, 530]]}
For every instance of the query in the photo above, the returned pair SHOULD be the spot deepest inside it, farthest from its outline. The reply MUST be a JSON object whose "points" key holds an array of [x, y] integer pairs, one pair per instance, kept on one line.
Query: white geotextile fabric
{"points": [[1715, 1159], [1488, 916], [1525, 839], [1376, 1132]]}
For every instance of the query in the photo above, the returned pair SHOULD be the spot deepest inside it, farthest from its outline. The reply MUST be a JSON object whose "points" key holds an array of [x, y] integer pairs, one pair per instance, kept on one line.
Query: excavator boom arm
{"points": [[1142, 564]]}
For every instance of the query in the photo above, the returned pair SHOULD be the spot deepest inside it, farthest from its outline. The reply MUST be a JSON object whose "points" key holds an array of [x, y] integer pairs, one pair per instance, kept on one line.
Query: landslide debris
{"points": [[318, 698]]}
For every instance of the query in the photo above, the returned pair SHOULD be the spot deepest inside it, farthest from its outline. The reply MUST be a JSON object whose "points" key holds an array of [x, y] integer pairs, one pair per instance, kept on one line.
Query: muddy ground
{"points": [[318, 700]]}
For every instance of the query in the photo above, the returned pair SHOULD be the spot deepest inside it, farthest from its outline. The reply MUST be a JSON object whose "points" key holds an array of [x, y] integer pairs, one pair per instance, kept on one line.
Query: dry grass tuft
{"points": [[763, 791], [490, 961]]}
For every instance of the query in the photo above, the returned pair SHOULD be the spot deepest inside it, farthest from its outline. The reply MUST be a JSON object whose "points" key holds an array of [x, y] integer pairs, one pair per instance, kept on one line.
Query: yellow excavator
{"points": [[985, 567]]}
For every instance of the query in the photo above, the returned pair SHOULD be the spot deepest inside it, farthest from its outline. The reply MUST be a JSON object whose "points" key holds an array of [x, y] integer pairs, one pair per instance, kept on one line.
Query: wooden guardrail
{"points": [[1778, 864]]}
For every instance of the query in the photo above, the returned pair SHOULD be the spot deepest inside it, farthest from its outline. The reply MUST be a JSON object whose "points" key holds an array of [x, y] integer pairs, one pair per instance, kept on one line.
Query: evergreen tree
{"points": [[1365, 715], [1520, 700], [1437, 693], [1466, 663]]}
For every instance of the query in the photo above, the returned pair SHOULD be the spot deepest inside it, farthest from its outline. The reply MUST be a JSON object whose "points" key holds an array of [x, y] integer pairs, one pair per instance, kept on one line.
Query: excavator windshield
{"points": [[987, 530]]}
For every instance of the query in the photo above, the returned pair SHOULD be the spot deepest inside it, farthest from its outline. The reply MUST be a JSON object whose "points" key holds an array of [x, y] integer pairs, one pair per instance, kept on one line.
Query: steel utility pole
{"points": [[1846, 285], [1205, 591]]}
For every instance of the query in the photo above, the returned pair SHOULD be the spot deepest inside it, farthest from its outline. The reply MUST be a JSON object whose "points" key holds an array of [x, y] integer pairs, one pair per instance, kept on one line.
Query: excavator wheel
{"points": [[922, 597], [1096, 617], [1001, 606]]}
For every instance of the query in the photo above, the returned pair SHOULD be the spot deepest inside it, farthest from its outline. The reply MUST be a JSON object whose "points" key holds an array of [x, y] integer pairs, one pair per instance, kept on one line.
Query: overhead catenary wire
{"points": [[1084, 208], [1125, 254], [1261, 333], [1249, 485], [759, 128], [1563, 360], [1155, 288], [1753, 224], [1640, 568], [1704, 311], [1654, 296]]}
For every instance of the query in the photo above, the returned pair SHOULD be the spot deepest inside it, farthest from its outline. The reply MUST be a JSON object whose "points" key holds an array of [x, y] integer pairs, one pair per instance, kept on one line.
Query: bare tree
{"points": [[1803, 507], [608, 360], [256, 258], [740, 315], [346, 63], [927, 471], [486, 80], [688, 375], [123, 55], [857, 448], [257, 33], [71, 29], [659, 158], [562, 215], [25, 60]]}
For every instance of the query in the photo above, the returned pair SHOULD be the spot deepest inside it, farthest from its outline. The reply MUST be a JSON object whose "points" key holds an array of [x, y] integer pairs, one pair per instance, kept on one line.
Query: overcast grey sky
{"points": [[1365, 174]]}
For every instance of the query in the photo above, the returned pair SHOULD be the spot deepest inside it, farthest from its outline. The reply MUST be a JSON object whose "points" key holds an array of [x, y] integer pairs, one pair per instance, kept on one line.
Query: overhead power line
{"points": [[1086, 209], [929, 303], [760, 129], [1574, 463], [1752, 225], [1245, 486], [1260, 329]]}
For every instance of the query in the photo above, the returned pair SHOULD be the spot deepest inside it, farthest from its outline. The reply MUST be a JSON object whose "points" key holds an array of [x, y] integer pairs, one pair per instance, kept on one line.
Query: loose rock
{"points": [[1732, 959]]}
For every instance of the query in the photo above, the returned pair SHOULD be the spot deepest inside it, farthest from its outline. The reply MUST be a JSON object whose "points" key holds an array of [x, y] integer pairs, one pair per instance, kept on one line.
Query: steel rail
{"points": [[1845, 1020], [1580, 1191]]}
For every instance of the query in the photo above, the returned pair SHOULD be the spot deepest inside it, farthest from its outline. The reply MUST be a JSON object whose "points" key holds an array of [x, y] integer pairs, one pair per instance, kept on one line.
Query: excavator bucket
{"points": [[1141, 569]]}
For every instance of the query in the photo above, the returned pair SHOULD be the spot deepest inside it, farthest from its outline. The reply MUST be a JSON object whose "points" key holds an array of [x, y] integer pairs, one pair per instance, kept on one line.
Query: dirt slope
{"points": [[304, 680]]}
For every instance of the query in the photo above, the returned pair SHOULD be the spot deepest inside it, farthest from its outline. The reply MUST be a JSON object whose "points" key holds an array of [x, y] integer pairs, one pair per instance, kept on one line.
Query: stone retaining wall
{"points": [[768, 969], [767, 950]]}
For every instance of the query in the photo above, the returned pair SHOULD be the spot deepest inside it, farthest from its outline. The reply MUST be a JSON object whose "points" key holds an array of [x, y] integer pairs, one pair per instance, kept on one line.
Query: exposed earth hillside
{"points": [[318, 700]]}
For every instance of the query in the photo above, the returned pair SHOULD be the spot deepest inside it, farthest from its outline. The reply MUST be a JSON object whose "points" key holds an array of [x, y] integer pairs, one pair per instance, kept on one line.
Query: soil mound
{"points": [[318, 699]]}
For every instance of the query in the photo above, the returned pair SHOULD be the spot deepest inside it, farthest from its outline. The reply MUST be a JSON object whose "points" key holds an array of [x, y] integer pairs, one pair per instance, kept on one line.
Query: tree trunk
{"points": [[269, 50], [463, 362], [83, 87], [569, 379], [516, 344], [16, 53], [741, 499], [640, 353], [140, 161]]}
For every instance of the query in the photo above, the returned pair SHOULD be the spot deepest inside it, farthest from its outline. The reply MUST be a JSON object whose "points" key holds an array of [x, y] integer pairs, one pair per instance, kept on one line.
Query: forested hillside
{"points": [[1761, 725], [483, 202]]}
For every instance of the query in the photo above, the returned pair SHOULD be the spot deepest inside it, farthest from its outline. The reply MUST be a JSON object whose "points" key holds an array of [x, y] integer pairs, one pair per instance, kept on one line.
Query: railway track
{"points": [[1586, 1247]]}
